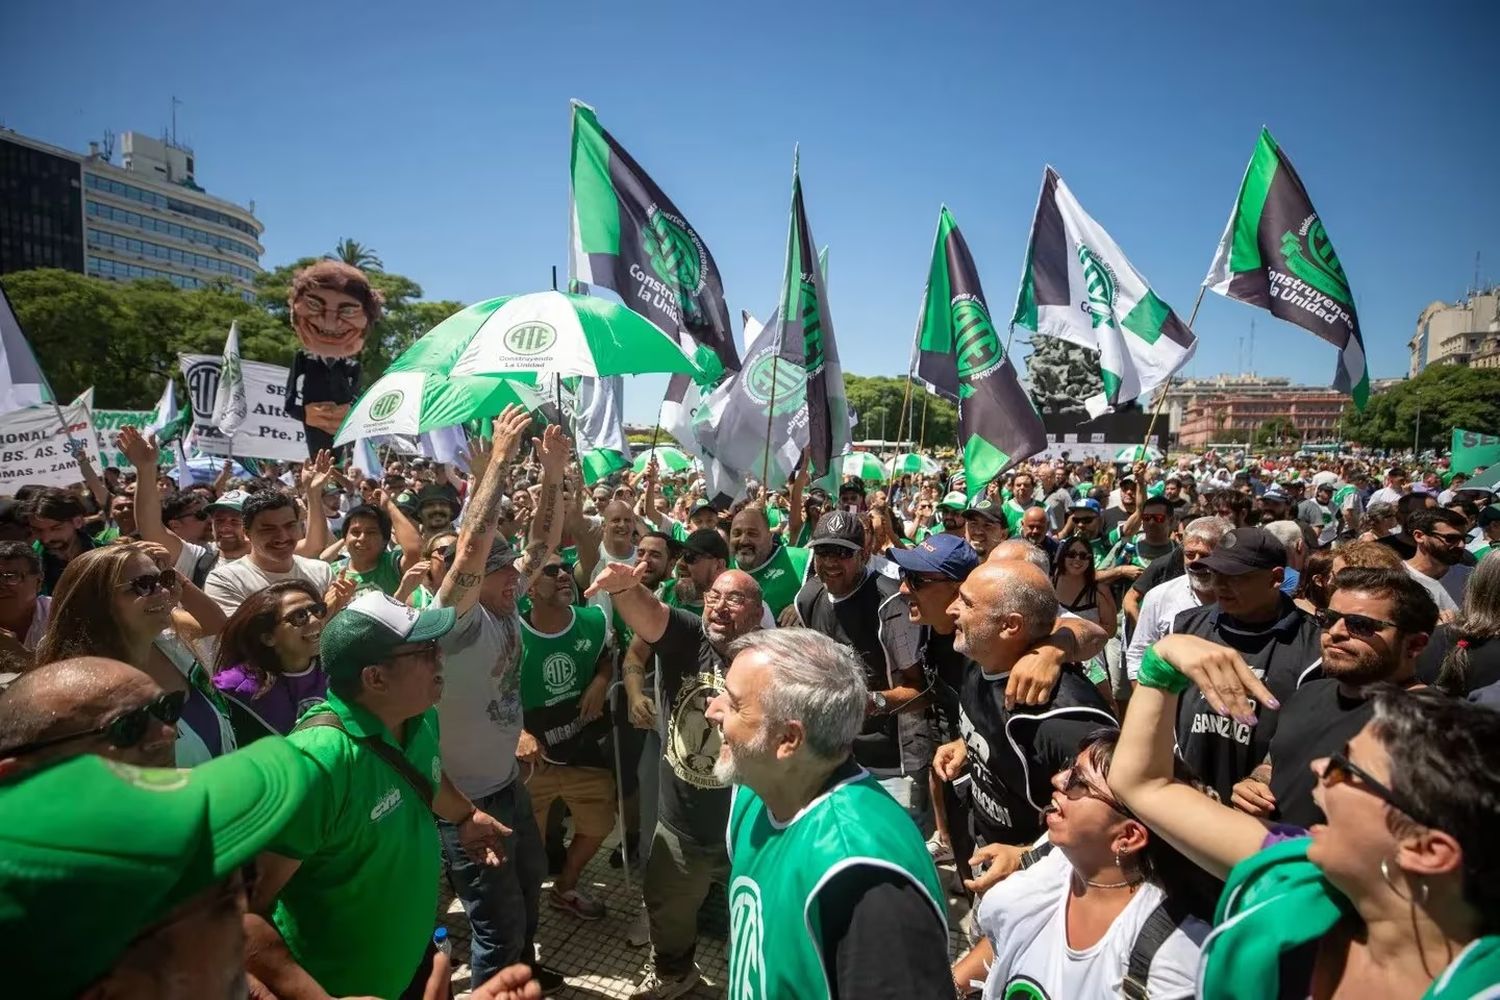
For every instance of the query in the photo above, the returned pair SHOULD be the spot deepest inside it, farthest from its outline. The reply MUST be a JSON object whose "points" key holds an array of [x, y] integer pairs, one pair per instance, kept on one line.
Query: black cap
{"points": [[429, 494], [706, 542], [1243, 550], [853, 484], [841, 528], [987, 509], [702, 505]]}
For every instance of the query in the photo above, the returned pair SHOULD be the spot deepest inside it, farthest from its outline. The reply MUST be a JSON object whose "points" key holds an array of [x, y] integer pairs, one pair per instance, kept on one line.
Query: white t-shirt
{"points": [[1385, 495], [230, 583], [1435, 589], [1159, 609], [480, 711], [1026, 917]]}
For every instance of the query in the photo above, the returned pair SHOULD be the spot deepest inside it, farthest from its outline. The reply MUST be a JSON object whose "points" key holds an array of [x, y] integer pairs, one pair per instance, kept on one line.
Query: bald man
{"points": [[1002, 610], [86, 705]]}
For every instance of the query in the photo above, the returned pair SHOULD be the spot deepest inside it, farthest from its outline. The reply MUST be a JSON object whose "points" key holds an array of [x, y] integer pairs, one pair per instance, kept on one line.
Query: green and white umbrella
{"points": [[557, 333], [912, 463], [407, 403], [668, 459], [1137, 453], [864, 465]]}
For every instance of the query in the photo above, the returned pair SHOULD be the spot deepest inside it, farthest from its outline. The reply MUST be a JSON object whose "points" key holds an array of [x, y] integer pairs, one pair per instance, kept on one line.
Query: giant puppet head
{"points": [[333, 307]]}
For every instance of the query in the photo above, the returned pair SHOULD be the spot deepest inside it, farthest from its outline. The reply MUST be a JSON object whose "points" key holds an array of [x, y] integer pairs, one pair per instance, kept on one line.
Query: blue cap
{"points": [[1087, 503], [944, 553]]}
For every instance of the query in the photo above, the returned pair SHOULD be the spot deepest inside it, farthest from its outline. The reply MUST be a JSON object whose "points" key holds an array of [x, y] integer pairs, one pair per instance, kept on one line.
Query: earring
{"points": [[1119, 859]]}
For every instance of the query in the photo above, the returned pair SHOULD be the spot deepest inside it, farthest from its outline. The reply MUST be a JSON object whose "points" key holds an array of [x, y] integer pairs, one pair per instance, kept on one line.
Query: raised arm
{"points": [[545, 534], [645, 508], [143, 454], [1215, 836], [795, 513], [315, 475], [460, 589], [91, 479], [403, 532], [226, 473]]}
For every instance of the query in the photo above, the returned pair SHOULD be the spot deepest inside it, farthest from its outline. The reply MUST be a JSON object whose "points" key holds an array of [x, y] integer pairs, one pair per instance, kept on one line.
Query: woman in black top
{"points": [[1464, 655]]}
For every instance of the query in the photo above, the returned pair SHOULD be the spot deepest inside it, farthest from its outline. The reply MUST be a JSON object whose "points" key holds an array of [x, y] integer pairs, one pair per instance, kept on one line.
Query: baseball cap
{"points": [[501, 555], [954, 501], [943, 553], [1489, 516], [987, 509], [133, 842], [1086, 503], [818, 493], [233, 501], [435, 494], [1276, 493], [371, 626], [701, 505], [853, 484], [706, 542], [1243, 550], [839, 528]]}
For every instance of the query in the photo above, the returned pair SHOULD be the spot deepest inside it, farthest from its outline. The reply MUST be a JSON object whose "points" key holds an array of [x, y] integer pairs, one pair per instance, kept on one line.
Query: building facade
{"points": [[1228, 409], [1466, 332], [144, 218]]}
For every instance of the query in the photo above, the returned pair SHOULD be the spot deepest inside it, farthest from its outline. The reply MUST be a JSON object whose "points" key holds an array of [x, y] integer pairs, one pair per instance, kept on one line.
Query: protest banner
{"points": [[267, 432], [107, 424], [34, 444]]}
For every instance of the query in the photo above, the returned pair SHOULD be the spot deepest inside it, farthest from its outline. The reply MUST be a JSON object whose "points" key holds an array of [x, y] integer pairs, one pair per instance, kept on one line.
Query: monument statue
{"points": [[1060, 375]]}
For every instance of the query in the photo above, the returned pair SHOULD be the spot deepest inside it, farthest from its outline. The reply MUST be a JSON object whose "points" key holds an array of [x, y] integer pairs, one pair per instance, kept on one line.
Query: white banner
{"points": [[267, 431], [107, 424], [33, 445]]}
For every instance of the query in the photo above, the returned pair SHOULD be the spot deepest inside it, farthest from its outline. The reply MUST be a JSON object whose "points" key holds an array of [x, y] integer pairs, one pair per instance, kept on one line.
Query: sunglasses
{"points": [[1080, 556], [1446, 537], [1341, 770], [556, 569], [1076, 787], [441, 552], [9, 578], [1154, 518], [832, 552], [915, 582], [426, 650], [149, 583], [123, 731], [301, 616], [1359, 626], [197, 515]]}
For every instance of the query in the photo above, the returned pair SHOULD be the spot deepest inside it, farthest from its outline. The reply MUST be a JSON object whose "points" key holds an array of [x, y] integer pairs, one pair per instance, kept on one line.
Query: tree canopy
{"points": [[869, 395], [1427, 408]]}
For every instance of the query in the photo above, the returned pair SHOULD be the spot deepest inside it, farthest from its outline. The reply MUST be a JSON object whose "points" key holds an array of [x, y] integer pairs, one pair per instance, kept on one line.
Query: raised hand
{"points": [[553, 448], [617, 578], [478, 453], [340, 592], [137, 448], [509, 426]]}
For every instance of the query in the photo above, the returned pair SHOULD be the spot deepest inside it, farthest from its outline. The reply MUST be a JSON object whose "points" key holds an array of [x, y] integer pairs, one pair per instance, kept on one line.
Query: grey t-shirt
{"points": [[230, 583], [479, 715], [1056, 506]]}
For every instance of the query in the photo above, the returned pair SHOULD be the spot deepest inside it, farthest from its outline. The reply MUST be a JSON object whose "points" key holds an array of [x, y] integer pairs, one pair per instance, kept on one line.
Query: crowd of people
{"points": [[1204, 727]]}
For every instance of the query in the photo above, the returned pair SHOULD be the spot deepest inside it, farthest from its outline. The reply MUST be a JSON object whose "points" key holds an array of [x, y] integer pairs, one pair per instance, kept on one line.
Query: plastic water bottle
{"points": [[440, 941]]}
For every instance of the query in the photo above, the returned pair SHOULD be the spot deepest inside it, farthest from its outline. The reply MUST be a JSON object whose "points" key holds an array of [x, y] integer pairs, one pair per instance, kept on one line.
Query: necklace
{"points": [[1128, 883]]}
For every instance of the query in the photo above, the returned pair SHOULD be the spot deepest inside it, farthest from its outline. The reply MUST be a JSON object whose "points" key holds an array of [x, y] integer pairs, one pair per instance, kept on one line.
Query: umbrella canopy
{"points": [[864, 465], [412, 402], [556, 333], [668, 459], [1489, 478], [1137, 453], [912, 463], [205, 469]]}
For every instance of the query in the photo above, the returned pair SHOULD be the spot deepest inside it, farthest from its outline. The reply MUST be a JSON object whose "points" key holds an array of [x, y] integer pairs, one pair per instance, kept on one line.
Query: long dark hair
{"points": [[1479, 622], [1316, 583], [242, 643], [1184, 883], [1089, 584]]}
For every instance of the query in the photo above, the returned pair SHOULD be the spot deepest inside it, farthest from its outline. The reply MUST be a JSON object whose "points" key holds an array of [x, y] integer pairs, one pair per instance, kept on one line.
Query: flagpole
{"points": [[922, 435], [1162, 397], [765, 465], [905, 402]]}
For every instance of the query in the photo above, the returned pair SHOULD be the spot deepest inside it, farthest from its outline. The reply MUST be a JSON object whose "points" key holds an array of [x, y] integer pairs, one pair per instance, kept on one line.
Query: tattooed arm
{"points": [[460, 589], [546, 523]]}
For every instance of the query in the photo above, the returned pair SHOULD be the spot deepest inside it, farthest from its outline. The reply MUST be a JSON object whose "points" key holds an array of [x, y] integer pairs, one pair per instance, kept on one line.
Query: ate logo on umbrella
{"points": [[530, 338], [387, 404]]}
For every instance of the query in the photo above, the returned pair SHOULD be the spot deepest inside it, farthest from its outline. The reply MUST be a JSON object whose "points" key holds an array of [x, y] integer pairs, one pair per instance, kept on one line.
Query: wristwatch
{"points": [[878, 700]]}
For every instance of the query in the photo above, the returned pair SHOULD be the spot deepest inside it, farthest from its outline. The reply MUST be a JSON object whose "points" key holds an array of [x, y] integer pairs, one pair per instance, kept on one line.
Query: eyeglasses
{"points": [[833, 552], [1359, 626], [299, 617], [1446, 537], [441, 552], [1080, 556], [149, 583], [734, 602], [123, 731], [1340, 769], [1154, 518], [915, 582], [1076, 787], [6, 579], [556, 569]]}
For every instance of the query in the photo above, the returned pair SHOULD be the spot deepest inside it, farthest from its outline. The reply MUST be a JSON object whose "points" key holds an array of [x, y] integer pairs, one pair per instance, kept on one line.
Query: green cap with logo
{"points": [[365, 633], [233, 501], [93, 852], [957, 500]]}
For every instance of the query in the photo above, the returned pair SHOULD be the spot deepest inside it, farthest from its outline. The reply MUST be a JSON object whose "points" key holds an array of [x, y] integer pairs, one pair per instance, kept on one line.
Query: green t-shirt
{"points": [[781, 576], [384, 576], [556, 667], [358, 913], [667, 593], [1013, 514], [777, 871]]}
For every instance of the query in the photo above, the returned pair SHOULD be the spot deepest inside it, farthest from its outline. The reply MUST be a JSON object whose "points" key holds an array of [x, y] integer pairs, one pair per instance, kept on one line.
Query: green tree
{"points": [[868, 395], [356, 254], [1427, 408], [1277, 431]]}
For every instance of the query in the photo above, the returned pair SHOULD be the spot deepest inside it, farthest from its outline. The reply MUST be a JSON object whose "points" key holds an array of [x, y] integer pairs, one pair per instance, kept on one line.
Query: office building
{"points": [[146, 217], [1466, 332]]}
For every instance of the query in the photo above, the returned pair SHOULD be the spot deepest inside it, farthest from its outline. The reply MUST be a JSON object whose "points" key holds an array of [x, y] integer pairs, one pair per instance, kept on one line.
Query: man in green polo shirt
{"points": [[950, 511], [369, 558], [779, 569], [1022, 495], [832, 892], [346, 893]]}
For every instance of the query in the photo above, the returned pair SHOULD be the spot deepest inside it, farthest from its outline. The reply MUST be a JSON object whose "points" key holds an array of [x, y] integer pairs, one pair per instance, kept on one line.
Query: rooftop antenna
{"points": [[108, 145], [1240, 364], [1476, 272], [175, 102], [1251, 359]]}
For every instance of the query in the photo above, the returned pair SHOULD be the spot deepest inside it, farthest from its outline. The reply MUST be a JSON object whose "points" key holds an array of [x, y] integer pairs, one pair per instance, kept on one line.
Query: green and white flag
{"points": [[629, 237], [1275, 254], [1078, 286], [1472, 450], [231, 406], [959, 355], [599, 428]]}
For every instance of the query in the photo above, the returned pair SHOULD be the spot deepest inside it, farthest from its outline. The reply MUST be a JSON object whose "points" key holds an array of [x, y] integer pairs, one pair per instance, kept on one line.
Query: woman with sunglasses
{"points": [[1396, 896], [420, 583], [1105, 899], [1077, 590], [119, 602], [267, 663]]}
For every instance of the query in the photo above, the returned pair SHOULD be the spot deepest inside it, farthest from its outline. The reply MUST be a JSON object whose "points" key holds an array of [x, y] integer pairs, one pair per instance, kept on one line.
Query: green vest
{"points": [[1013, 514], [557, 666], [775, 872], [667, 594], [781, 576]]}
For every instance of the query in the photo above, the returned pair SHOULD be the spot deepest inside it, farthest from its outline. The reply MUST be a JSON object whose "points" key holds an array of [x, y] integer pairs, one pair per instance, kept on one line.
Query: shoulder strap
{"points": [[1153, 934], [393, 757], [205, 562]]}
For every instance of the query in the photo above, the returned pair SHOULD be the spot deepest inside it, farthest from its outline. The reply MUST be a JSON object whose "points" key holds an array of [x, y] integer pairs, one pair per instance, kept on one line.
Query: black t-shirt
{"points": [[1319, 720], [943, 670], [1484, 659], [1284, 654], [874, 622], [691, 674], [314, 379], [881, 938], [1014, 754], [1162, 568]]}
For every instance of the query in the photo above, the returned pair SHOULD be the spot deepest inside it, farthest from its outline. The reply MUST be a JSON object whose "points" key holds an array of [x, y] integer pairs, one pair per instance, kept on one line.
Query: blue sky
{"points": [[438, 135]]}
